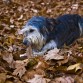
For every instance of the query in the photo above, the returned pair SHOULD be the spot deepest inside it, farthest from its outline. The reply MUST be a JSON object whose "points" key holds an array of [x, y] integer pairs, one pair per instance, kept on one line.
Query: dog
{"points": [[44, 33]]}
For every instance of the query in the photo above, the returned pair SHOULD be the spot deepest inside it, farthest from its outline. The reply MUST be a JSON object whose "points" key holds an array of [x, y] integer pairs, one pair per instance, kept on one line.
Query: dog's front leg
{"points": [[42, 52], [51, 45]]}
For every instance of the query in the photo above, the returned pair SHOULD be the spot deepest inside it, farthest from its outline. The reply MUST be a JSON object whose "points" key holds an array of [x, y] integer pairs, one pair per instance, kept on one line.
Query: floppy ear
{"points": [[51, 23]]}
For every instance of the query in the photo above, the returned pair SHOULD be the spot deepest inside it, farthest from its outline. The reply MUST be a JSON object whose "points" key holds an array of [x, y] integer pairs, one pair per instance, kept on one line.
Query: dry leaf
{"points": [[34, 10], [23, 55], [53, 54], [19, 71], [79, 78], [41, 65], [12, 18], [29, 75], [64, 80], [10, 49], [28, 53], [76, 66], [38, 65], [2, 69], [9, 58], [75, 6], [20, 18], [12, 26], [20, 8], [65, 60], [20, 67], [21, 63], [2, 77], [38, 79]]}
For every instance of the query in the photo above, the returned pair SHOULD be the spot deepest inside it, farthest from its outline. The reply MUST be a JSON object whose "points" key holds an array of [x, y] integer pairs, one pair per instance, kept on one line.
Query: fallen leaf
{"points": [[2, 69], [2, 77], [9, 58], [12, 26], [11, 20], [75, 6], [19, 71], [23, 55], [64, 80], [53, 54], [20, 8], [79, 78], [38, 79], [20, 67], [28, 53], [29, 75], [65, 60], [76, 66], [10, 49], [41, 65], [10, 40], [20, 18], [35, 10]]}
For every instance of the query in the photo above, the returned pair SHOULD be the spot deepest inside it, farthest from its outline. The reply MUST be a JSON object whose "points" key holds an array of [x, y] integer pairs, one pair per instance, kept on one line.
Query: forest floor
{"points": [[57, 66]]}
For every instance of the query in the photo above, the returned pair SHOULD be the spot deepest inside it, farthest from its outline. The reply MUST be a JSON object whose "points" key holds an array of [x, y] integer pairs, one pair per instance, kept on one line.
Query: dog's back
{"points": [[68, 29]]}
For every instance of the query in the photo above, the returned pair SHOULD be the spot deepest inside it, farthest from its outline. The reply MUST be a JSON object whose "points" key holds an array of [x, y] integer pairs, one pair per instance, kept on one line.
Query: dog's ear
{"points": [[50, 27], [51, 24]]}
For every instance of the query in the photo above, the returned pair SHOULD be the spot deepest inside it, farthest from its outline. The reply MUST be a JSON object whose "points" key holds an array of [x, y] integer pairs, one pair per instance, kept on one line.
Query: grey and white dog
{"points": [[44, 33]]}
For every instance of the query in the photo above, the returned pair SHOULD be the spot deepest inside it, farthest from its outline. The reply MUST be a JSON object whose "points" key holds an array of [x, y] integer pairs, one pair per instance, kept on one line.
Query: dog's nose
{"points": [[26, 42]]}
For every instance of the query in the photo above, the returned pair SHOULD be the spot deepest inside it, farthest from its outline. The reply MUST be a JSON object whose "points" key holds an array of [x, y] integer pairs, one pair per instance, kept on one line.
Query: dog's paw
{"points": [[39, 53]]}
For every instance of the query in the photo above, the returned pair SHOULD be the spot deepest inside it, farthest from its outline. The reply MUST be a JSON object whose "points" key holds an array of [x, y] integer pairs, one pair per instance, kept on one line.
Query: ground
{"points": [[57, 66]]}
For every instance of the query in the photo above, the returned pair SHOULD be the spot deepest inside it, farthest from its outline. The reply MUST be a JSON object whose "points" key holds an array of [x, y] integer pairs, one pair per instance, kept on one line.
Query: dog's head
{"points": [[35, 32]]}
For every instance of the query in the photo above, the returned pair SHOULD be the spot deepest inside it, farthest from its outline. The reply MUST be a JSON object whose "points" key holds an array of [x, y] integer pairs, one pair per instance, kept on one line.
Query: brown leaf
{"points": [[65, 60], [76, 66], [53, 54], [41, 64], [20, 18], [2, 77], [10, 49], [9, 58], [29, 75], [38, 79], [79, 78], [28, 53], [64, 80], [75, 6], [19, 71], [20, 67], [21, 63], [2, 69]]}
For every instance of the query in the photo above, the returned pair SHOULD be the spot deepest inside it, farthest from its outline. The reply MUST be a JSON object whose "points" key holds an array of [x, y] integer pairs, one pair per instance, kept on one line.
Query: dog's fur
{"points": [[47, 33]]}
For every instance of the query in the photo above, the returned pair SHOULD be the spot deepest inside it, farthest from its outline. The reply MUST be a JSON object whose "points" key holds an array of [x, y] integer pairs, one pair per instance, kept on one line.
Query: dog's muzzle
{"points": [[26, 42]]}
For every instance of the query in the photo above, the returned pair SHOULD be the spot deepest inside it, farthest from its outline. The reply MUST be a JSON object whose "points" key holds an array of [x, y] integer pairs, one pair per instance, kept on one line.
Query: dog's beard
{"points": [[36, 40]]}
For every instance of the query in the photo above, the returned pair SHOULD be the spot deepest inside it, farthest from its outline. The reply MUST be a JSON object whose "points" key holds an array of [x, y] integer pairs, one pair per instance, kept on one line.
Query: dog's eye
{"points": [[31, 30]]}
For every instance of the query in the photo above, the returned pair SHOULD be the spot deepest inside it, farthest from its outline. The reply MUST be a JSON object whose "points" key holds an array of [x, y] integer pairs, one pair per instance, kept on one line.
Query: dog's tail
{"points": [[81, 26]]}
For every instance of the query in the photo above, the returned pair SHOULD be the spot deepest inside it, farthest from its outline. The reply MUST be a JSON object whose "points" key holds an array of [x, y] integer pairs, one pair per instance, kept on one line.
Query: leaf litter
{"points": [[16, 62]]}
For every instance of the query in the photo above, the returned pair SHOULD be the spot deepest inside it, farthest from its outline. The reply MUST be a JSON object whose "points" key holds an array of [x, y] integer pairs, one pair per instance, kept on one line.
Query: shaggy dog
{"points": [[44, 33]]}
